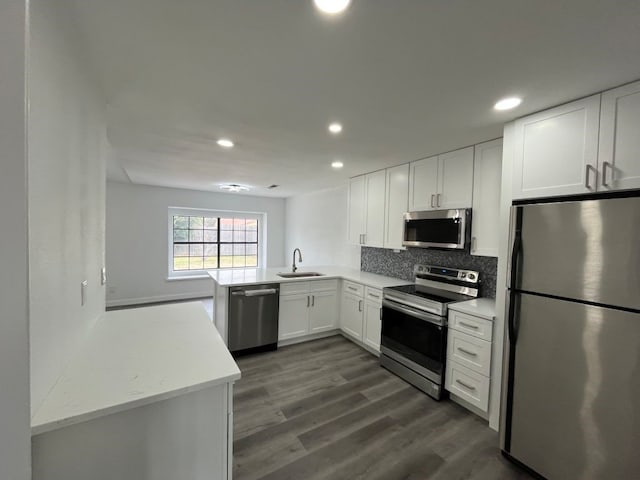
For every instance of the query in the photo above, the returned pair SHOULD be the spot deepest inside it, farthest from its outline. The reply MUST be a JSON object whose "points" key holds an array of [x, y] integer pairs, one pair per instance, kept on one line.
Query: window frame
{"points": [[199, 212]]}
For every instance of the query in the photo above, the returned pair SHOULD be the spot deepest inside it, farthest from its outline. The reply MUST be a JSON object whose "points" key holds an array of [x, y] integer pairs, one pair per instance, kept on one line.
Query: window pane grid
{"points": [[214, 242]]}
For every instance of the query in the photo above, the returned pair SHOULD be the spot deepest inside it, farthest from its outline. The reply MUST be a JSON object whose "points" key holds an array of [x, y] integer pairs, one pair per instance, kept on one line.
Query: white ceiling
{"points": [[407, 78]]}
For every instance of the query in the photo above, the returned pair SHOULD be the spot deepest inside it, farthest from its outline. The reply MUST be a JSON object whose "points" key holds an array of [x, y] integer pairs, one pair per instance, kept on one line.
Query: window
{"points": [[208, 241]]}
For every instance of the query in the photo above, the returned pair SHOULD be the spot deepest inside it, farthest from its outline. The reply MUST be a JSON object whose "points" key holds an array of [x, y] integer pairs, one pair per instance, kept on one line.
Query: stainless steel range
{"points": [[414, 324]]}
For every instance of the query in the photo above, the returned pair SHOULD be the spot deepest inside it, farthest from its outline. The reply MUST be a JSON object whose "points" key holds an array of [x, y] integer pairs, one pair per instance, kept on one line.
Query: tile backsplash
{"points": [[400, 264]]}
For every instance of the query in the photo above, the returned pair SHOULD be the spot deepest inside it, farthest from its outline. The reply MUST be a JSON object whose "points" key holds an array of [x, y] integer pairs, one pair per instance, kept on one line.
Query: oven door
{"points": [[415, 335], [448, 229]]}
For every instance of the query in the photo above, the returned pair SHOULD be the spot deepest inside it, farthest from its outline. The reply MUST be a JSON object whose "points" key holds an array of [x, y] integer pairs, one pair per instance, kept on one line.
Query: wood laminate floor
{"points": [[327, 410]]}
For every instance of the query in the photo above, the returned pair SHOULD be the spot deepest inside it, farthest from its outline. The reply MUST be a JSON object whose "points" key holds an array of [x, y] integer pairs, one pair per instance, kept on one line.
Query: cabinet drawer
{"points": [[469, 351], [373, 294], [323, 285], [472, 325], [468, 385], [293, 288], [353, 288]]}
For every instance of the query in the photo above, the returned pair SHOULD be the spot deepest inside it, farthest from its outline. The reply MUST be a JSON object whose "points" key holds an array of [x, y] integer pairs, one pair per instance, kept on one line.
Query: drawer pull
{"points": [[471, 354], [468, 325], [353, 289], [374, 296], [465, 385]]}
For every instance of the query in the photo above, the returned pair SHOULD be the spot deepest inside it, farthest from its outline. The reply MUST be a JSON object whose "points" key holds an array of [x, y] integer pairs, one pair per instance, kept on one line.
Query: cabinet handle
{"points": [[313, 300], [359, 305], [353, 289], [438, 199], [465, 351], [468, 325], [606, 165], [474, 245], [587, 182], [465, 385], [308, 299], [432, 200], [374, 296], [381, 314]]}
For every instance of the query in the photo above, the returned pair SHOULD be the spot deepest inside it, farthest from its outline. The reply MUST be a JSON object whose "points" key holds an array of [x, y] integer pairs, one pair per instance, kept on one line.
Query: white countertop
{"points": [[136, 357], [480, 307], [251, 276]]}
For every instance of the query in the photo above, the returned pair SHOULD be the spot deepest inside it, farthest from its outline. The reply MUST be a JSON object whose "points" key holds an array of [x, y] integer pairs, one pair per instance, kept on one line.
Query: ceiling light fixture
{"points": [[225, 142], [337, 164], [508, 103], [332, 7], [234, 188], [335, 128]]}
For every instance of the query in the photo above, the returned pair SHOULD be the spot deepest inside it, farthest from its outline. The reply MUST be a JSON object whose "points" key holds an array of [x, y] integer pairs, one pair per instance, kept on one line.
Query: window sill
{"points": [[176, 278]]}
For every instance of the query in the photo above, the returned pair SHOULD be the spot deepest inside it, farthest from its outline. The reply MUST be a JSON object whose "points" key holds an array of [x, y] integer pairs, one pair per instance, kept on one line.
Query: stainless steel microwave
{"points": [[449, 229]]}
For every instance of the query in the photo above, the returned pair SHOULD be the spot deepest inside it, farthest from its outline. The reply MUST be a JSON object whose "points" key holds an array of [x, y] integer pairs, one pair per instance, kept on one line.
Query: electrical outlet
{"points": [[103, 276], [83, 292]]}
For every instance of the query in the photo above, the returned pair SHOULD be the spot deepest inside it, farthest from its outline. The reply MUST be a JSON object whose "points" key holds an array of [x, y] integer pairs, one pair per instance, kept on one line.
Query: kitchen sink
{"points": [[299, 274]]}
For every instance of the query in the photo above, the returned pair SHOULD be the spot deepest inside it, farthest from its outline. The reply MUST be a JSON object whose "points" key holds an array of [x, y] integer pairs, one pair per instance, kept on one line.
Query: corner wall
{"points": [[317, 224], [15, 428], [67, 144], [137, 239]]}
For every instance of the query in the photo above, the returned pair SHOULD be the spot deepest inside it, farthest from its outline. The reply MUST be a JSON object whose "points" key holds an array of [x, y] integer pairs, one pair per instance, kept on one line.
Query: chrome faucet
{"points": [[294, 268]]}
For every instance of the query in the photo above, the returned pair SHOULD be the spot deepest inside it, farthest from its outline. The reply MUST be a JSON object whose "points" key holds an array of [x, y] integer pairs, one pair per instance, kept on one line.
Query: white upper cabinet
{"points": [[375, 198], [556, 151], [423, 184], [356, 209], [396, 205], [619, 154], [487, 175], [366, 209], [455, 179], [441, 182]]}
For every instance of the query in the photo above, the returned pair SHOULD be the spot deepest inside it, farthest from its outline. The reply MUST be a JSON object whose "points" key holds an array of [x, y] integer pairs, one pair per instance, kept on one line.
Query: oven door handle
{"points": [[427, 317]]}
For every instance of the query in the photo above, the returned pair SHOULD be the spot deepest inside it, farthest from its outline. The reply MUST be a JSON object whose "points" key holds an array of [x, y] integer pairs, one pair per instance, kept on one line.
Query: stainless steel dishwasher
{"points": [[253, 318]]}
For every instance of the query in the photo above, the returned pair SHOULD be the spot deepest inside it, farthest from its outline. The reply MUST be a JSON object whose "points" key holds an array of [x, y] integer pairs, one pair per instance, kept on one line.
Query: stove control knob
{"points": [[463, 275], [420, 269], [471, 276]]}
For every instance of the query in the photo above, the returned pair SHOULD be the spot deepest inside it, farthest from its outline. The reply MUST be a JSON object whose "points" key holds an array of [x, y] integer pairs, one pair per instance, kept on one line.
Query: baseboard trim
{"points": [[126, 302], [308, 338]]}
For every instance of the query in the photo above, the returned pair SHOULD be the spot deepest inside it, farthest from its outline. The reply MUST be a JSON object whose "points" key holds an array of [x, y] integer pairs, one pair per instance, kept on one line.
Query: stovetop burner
{"points": [[435, 287]]}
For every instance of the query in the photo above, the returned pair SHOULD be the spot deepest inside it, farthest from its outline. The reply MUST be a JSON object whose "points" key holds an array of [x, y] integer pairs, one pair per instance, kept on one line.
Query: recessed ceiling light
{"points": [[335, 128], [332, 6], [234, 187], [508, 103], [225, 142], [337, 164]]}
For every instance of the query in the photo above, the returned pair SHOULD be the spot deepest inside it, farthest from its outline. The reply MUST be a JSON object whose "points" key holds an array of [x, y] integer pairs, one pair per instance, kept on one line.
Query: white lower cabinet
{"points": [[468, 373], [352, 309], [307, 308], [372, 321]]}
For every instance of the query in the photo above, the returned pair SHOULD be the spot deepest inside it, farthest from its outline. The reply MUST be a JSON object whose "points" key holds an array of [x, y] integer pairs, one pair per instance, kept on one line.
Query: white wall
{"points": [[14, 337], [67, 144], [317, 224], [137, 239]]}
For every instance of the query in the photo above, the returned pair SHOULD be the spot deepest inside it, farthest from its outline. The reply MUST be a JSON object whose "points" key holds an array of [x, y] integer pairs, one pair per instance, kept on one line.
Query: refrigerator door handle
{"points": [[516, 249]]}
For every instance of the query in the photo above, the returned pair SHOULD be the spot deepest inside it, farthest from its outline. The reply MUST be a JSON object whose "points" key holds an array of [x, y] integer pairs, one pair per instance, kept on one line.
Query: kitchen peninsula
{"points": [[149, 397]]}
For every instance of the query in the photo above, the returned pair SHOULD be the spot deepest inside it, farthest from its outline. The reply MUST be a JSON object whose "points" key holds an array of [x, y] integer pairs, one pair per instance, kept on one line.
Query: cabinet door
{"points": [[556, 150], [293, 320], [619, 156], [455, 179], [396, 205], [487, 176], [372, 324], [322, 314], [423, 184], [351, 313], [374, 221], [356, 209]]}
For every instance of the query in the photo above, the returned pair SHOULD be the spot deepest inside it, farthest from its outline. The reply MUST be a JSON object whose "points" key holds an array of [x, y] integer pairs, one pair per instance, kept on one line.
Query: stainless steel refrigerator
{"points": [[571, 391]]}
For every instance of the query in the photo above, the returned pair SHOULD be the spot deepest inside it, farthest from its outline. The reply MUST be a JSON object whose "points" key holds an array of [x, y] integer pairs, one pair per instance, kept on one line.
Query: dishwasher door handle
{"points": [[255, 293]]}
